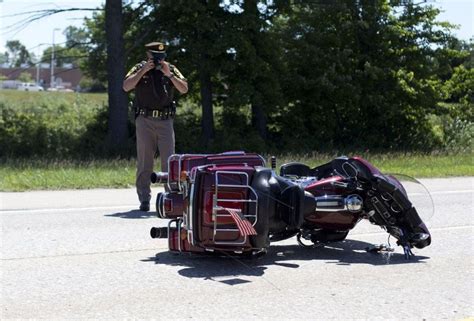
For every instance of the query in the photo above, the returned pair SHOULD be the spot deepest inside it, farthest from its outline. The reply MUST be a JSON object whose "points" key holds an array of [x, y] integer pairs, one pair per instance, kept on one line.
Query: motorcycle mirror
{"points": [[273, 162]]}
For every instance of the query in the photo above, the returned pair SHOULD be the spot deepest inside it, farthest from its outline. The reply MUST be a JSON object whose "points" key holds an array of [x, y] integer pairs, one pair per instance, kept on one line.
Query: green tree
{"points": [[64, 55], [254, 65], [94, 65], [76, 37], [59, 55], [364, 73], [3, 58], [326, 74], [17, 53]]}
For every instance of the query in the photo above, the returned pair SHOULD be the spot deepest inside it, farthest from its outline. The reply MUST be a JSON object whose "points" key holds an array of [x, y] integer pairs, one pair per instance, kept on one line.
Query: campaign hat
{"points": [[156, 46]]}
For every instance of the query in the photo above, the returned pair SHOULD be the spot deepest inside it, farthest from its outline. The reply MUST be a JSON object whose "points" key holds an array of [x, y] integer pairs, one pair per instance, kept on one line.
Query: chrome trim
{"points": [[169, 229], [162, 205], [338, 203], [169, 224], [190, 216], [178, 225], [382, 210], [179, 171], [216, 207], [182, 156], [232, 172], [352, 166], [386, 196], [395, 210], [220, 208], [236, 200], [228, 230], [192, 174], [334, 203], [169, 167], [354, 203]]}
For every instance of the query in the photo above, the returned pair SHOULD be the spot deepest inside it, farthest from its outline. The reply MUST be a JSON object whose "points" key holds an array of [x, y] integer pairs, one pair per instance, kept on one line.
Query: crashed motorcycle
{"points": [[230, 203]]}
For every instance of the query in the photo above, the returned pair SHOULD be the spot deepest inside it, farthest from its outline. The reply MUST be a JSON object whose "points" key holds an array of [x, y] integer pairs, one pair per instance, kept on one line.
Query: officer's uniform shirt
{"points": [[154, 90]]}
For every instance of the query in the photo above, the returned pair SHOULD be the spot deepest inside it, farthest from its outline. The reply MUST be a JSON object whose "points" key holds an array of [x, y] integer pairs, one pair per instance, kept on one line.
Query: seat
{"points": [[283, 201], [295, 169]]}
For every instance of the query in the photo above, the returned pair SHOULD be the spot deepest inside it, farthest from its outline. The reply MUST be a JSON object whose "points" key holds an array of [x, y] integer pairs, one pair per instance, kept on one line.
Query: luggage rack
{"points": [[179, 223], [180, 157], [253, 201]]}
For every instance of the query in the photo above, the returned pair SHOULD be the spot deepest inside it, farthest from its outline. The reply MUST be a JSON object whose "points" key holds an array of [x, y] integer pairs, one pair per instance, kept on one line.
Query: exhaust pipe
{"points": [[159, 177], [159, 232]]}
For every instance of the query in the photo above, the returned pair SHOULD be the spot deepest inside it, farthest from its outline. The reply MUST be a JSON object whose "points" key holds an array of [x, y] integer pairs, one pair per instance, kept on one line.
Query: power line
{"points": [[36, 15]]}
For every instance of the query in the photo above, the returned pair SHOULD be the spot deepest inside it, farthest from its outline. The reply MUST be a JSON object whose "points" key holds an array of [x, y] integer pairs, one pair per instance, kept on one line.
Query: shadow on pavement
{"points": [[211, 267], [133, 214]]}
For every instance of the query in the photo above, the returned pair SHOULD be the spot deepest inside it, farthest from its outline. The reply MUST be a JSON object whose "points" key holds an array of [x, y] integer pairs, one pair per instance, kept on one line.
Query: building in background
{"points": [[67, 78]]}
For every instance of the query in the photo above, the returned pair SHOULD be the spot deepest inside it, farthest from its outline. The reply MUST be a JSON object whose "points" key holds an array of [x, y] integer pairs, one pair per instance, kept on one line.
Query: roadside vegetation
{"points": [[309, 81], [36, 174], [54, 141]]}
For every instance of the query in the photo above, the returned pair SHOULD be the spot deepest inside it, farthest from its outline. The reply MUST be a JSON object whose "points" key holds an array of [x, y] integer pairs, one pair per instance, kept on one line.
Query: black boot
{"points": [[145, 206]]}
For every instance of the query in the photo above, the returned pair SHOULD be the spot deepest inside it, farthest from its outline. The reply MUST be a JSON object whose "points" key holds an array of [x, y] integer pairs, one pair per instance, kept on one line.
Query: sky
{"points": [[38, 33]]}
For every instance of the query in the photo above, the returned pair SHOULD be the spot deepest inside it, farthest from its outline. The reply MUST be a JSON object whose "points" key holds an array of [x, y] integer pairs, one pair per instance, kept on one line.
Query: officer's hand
{"points": [[149, 65], [165, 68]]}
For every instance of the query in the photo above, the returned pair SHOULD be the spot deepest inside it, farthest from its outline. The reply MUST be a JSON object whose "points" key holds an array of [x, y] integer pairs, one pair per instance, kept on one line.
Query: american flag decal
{"points": [[244, 226]]}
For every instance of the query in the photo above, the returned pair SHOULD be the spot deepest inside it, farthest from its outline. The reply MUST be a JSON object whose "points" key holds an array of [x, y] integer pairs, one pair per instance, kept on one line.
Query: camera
{"points": [[158, 57]]}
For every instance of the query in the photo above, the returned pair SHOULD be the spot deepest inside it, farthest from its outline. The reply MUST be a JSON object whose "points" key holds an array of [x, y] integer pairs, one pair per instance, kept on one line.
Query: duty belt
{"points": [[157, 113]]}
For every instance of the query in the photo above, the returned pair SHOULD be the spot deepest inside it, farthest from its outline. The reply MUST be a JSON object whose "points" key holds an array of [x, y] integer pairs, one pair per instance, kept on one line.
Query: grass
{"points": [[23, 175], [411, 164], [56, 175], [27, 98]]}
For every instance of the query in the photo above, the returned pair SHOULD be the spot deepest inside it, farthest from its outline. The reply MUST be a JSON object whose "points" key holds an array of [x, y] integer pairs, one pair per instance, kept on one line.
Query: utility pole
{"points": [[39, 60], [52, 83], [38, 65]]}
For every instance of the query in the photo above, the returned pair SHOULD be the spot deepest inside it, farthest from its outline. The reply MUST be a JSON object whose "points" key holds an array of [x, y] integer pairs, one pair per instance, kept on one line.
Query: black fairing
{"points": [[388, 200], [342, 166], [266, 207], [393, 209], [286, 201]]}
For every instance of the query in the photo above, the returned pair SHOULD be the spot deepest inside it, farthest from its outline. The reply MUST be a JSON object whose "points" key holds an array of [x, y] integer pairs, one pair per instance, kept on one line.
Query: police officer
{"points": [[154, 81]]}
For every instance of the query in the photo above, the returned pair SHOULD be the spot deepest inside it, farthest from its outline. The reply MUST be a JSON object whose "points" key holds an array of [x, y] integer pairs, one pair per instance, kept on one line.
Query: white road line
{"points": [[69, 209], [467, 191], [83, 254], [434, 229], [133, 206]]}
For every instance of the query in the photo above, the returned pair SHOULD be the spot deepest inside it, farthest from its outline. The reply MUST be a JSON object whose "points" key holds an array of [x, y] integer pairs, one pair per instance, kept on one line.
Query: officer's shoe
{"points": [[145, 206]]}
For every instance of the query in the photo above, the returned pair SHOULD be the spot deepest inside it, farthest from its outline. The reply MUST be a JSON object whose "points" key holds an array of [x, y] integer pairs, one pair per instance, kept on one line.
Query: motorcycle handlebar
{"points": [[159, 177]]}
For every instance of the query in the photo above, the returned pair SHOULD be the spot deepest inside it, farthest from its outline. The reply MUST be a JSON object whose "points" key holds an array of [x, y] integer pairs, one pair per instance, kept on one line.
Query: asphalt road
{"points": [[88, 254]]}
